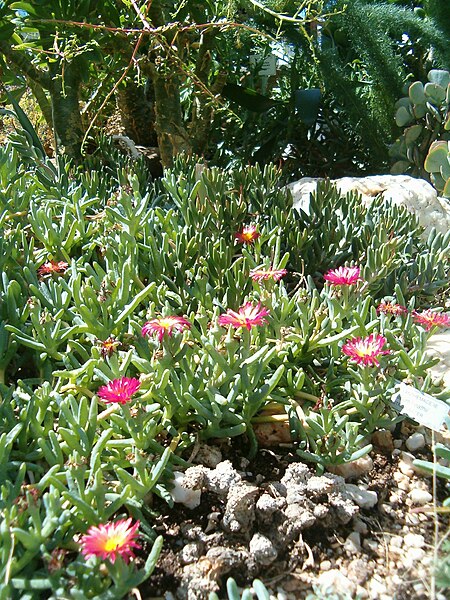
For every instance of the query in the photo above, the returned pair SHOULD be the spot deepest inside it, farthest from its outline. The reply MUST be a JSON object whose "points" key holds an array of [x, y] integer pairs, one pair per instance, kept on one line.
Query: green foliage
{"points": [[437, 163], [133, 251], [233, 593], [425, 115]]}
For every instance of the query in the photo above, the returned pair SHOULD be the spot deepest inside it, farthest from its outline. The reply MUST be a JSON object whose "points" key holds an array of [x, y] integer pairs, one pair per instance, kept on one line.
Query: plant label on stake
{"points": [[420, 407]]}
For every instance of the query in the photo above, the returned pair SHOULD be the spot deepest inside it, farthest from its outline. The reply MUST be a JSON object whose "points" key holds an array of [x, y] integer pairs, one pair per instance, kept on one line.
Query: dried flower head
{"points": [[366, 351], [261, 274], [248, 234], [162, 326], [108, 346], [119, 390], [246, 316], [429, 319], [111, 540], [343, 276], [390, 308], [53, 267]]}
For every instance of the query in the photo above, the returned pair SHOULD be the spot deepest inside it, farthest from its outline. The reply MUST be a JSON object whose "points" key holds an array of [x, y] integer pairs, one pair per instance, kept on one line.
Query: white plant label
{"points": [[421, 407]]}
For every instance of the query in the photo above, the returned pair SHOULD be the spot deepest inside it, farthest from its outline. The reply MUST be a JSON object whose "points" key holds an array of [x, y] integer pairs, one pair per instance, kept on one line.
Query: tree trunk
{"points": [[136, 113], [172, 135], [64, 92]]}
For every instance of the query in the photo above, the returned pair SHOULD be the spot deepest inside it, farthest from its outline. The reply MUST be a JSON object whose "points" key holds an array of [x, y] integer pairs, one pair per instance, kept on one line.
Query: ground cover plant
{"points": [[138, 318]]}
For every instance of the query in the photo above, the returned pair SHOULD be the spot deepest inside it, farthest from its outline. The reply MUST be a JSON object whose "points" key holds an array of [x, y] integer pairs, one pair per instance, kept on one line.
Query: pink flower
{"points": [[246, 316], [429, 319], [111, 540], [119, 390], [343, 276], [366, 350], [53, 267], [165, 325], [390, 308], [261, 274], [248, 234]]}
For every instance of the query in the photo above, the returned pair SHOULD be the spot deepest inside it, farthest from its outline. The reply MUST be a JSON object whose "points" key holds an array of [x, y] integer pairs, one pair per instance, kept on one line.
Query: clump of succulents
{"points": [[437, 163], [138, 318], [425, 116]]}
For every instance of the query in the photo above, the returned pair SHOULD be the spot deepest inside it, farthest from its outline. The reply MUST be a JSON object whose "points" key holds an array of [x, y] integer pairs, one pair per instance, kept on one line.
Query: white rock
{"points": [[183, 495], [415, 442], [420, 497], [416, 195], [413, 540], [405, 464], [363, 498], [413, 557], [333, 581]]}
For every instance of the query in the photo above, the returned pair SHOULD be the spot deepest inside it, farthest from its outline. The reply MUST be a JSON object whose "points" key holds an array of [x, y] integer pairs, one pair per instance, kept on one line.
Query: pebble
{"points": [[383, 439], [377, 588], [183, 495], [191, 553], [353, 469], [337, 582], [413, 557], [420, 497], [352, 544], [398, 444], [262, 549], [325, 565], [371, 545], [405, 464], [415, 442], [414, 540], [360, 526], [363, 498]]}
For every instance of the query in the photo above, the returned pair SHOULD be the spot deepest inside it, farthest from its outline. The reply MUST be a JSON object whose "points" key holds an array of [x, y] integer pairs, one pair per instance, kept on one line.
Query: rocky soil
{"points": [[364, 531]]}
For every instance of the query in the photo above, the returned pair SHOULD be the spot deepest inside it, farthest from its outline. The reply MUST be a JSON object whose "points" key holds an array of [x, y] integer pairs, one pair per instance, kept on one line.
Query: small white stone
{"points": [[396, 541], [415, 442], [183, 495], [414, 540], [420, 497], [334, 580], [413, 557], [363, 498], [352, 544], [325, 565], [405, 464]]}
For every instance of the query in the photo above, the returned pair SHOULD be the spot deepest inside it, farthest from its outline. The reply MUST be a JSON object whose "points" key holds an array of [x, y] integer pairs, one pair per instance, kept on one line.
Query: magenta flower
{"points": [[343, 276], [119, 390], [246, 316], [366, 350], [390, 308], [248, 234], [261, 274], [53, 267], [165, 325], [111, 540], [429, 319]]}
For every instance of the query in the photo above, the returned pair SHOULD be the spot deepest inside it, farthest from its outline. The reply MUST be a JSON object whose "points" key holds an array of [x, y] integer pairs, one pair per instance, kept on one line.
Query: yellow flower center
{"points": [[113, 542]]}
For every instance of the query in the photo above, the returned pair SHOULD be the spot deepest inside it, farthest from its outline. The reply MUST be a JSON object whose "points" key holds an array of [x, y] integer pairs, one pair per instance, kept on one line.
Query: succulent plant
{"points": [[425, 115], [437, 163]]}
